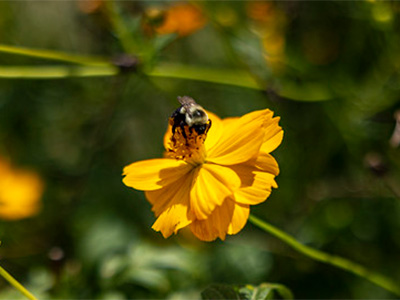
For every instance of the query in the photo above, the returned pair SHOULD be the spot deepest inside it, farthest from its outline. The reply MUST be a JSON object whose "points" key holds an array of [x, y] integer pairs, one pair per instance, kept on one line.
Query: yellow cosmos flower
{"points": [[208, 181], [20, 192]]}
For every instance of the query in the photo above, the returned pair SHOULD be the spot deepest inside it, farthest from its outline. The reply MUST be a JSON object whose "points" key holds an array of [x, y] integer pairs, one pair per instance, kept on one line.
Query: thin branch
{"points": [[55, 72], [16, 284], [55, 55]]}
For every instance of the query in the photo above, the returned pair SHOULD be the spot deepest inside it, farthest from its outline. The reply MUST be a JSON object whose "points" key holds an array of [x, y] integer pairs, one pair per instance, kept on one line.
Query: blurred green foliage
{"points": [[329, 69]]}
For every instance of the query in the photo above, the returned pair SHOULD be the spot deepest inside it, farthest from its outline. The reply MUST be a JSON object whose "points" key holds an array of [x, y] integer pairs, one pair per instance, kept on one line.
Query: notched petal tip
{"points": [[273, 135], [172, 220], [229, 218]]}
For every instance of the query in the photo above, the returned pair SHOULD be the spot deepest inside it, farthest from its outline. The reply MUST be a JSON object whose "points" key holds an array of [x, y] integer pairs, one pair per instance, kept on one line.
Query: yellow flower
{"points": [[20, 192], [208, 181]]}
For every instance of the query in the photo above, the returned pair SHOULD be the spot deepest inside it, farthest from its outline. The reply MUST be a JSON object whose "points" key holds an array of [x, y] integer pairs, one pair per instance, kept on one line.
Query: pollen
{"points": [[186, 144]]}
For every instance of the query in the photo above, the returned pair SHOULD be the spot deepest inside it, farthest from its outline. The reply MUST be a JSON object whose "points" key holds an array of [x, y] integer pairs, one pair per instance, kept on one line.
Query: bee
{"points": [[190, 114]]}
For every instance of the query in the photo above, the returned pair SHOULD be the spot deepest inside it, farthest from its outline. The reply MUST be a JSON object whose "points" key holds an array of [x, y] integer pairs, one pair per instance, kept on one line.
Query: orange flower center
{"points": [[187, 144]]}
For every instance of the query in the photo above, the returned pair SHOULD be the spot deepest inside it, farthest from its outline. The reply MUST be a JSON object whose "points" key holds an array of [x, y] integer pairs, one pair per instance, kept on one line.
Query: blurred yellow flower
{"points": [[270, 24], [208, 181], [20, 192], [182, 19]]}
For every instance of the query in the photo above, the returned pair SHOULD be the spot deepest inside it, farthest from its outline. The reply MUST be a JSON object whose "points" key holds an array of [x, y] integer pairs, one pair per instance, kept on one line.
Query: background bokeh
{"points": [[330, 70]]}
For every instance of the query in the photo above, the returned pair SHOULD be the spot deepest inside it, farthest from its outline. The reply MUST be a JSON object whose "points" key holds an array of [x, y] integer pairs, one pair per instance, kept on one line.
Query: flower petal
{"points": [[273, 136], [228, 121], [153, 174], [171, 204], [256, 184], [213, 184], [239, 218], [229, 218], [167, 136], [161, 199], [259, 191], [267, 163], [215, 132], [172, 220], [241, 140], [216, 225]]}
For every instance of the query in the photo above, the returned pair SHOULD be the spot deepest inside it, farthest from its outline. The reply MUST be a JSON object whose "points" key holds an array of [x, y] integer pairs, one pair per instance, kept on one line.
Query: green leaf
{"points": [[256, 293], [265, 291]]}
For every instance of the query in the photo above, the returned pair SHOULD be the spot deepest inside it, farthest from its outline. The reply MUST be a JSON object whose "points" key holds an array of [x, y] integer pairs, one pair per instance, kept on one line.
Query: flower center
{"points": [[187, 143]]}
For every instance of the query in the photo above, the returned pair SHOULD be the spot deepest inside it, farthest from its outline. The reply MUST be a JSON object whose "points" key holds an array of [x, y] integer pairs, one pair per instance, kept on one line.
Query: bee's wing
{"points": [[186, 101]]}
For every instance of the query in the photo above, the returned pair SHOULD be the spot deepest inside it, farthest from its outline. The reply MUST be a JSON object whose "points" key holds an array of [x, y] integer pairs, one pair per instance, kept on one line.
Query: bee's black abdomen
{"points": [[178, 118]]}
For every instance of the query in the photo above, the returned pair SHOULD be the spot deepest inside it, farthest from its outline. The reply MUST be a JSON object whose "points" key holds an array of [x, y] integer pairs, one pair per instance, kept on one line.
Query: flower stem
{"points": [[56, 72], [55, 55], [16, 284], [333, 260]]}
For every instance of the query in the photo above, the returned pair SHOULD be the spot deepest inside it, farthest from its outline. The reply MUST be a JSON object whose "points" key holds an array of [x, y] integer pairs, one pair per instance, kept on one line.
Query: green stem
{"points": [[55, 55], [54, 72], [16, 284], [333, 260]]}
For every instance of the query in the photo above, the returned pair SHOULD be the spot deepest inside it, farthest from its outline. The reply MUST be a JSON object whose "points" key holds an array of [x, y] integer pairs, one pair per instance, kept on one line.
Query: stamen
{"points": [[186, 144]]}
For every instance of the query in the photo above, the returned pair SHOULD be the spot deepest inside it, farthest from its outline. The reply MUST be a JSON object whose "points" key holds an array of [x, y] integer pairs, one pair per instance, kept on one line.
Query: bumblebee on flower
{"points": [[212, 171]]}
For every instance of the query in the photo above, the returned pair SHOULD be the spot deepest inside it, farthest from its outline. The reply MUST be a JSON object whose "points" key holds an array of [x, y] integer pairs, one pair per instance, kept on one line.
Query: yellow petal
{"points": [[215, 132], [229, 218], [241, 140], [259, 191], [204, 230], [172, 204], [229, 121], [273, 136], [174, 218], [153, 174], [213, 184], [167, 136], [267, 163], [239, 218], [216, 225], [162, 198], [255, 184]]}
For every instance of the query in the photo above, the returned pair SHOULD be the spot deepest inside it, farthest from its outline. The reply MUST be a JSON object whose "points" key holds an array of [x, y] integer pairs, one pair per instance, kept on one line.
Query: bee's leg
{"points": [[182, 126], [208, 126]]}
